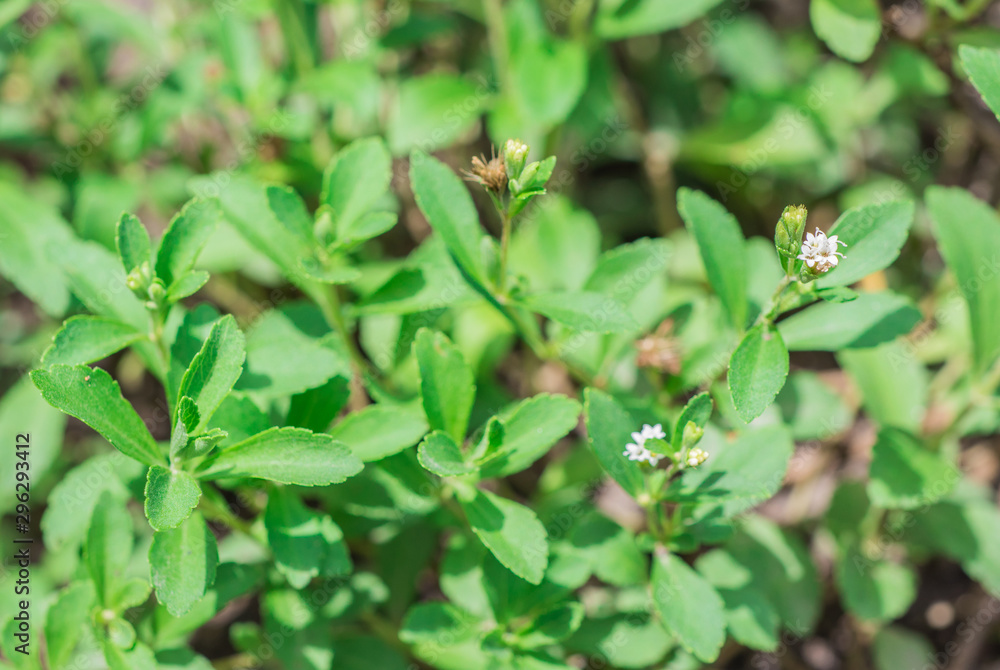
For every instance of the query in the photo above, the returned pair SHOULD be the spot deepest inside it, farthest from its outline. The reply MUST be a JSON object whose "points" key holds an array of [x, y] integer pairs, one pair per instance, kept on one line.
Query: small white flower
{"points": [[696, 457], [637, 451], [516, 149], [820, 252]]}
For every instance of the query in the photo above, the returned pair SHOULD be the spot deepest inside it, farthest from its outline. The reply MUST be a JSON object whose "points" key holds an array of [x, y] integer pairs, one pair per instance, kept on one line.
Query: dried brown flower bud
{"points": [[492, 173]]}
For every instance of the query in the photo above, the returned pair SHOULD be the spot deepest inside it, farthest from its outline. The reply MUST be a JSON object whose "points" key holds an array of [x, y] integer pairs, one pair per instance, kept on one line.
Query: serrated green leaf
{"points": [[904, 474], [379, 431], [290, 211], [511, 532], [721, 244], [171, 495], [286, 455], [585, 311], [368, 226], [85, 339], [108, 547], [92, 396], [439, 454], [983, 67], [316, 408], [609, 429], [688, 606], [182, 563], [870, 320], [968, 233], [447, 387], [295, 534], [551, 626], [444, 200], [133, 243], [874, 235], [354, 181], [529, 431], [215, 369], [757, 371], [184, 239], [851, 28], [66, 620]]}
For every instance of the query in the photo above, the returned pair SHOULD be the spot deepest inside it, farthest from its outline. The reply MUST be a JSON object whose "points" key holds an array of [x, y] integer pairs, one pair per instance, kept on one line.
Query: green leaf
{"points": [[551, 626], [750, 616], [444, 200], [529, 432], [139, 657], [285, 356], [215, 369], [133, 243], [601, 637], [316, 408], [757, 371], [511, 532], [870, 320], [109, 547], [968, 233], [182, 564], [185, 237], [874, 591], [895, 647], [851, 28], [92, 396], [447, 387], [610, 550], [171, 495], [96, 277], [300, 538], [381, 430], [905, 475], [609, 429], [354, 181], [65, 622], [22, 408], [874, 234], [892, 381], [624, 18], [738, 474], [187, 285], [27, 229], [698, 410], [291, 212], [983, 67], [286, 455], [368, 226], [85, 339], [439, 454], [688, 606], [721, 244], [586, 311], [432, 110]]}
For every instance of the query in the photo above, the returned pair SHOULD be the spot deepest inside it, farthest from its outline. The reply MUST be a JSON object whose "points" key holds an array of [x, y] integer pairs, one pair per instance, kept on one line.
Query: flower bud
{"points": [[692, 434], [788, 232], [515, 156], [157, 292]]}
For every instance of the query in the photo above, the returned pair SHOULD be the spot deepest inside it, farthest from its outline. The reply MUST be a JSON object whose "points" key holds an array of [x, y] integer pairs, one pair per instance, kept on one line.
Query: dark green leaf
{"points": [[182, 564], [439, 454], [874, 234], [688, 606], [215, 369], [609, 429], [586, 311], [447, 387], [185, 237], [171, 495], [381, 430], [529, 431], [133, 243], [92, 396], [109, 547], [511, 532], [870, 320], [905, 475], [757, 371]]}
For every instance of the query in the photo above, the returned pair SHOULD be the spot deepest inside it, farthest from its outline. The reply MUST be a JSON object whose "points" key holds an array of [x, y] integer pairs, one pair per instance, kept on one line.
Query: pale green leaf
{"points": [[757, 371], [378, 431], [215, 369], [851, 28], [609, 429], [968, 234], [109, 547], [720, 241], [66, 620], [439, 454], [529, 431], [584, 310], [286, 455], [688, 606], [354, 181], [868, 321], [874, 235], [983, 67], [182, 564], [171, 495], [133, 243], [85, 339], [447, 386], [185, 237], [905, 474], [511, 532], [624, 18], [874, 590]]}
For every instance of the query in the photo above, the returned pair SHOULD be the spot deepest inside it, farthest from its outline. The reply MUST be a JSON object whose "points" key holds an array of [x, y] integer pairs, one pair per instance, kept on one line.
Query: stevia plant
{"points": [[366, 401]]}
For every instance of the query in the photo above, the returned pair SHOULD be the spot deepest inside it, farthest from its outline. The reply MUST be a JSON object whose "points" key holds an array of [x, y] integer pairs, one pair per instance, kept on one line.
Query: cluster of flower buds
{"points": [[649, 446], [511, 171], [146, 287]]}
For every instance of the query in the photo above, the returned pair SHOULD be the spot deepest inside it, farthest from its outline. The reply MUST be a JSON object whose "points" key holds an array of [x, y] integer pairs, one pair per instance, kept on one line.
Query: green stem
{"points": [[770, 312], [505, 231], [330, 306]]}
